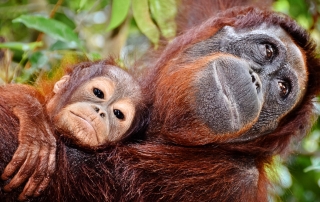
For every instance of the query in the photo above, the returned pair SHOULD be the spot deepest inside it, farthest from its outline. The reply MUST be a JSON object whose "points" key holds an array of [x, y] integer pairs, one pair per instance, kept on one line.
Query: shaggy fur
{"points": [[170, 163], [174, 164]]}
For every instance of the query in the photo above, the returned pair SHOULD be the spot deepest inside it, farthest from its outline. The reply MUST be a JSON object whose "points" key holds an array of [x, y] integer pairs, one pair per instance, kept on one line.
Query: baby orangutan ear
{"points": [[61, 84]]}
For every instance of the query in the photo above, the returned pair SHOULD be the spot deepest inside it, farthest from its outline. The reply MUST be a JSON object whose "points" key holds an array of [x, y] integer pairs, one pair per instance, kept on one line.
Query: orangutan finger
{"points": [[17, 160], [25, 170]]}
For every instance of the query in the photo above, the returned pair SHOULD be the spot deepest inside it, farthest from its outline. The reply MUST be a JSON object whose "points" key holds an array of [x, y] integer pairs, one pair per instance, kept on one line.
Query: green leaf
{"points": [[21, 46], [61, 17], [94, 56], [120, 9], [61, 45], [311, 168], [82, 4], [164, 13], [51, 27], [305, 21], [38, 60], [281, 6], [142, 17]]}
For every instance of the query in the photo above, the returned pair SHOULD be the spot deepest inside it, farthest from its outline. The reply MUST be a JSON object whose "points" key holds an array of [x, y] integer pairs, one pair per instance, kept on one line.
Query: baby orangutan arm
{"points": [[35, 155]]}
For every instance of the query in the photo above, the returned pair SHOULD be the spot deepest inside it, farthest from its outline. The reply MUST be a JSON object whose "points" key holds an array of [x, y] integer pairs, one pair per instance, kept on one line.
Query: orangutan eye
{"points": [[284, 88], [118, 114], [98, 93], [267, 51]]}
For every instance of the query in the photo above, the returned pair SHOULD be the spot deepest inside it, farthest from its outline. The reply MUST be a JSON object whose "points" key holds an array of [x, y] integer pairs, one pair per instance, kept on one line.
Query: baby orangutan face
{"points": [[99, 111]]}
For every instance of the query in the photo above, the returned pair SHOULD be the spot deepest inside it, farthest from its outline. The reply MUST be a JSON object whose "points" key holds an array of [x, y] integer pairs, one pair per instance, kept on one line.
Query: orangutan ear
{"points": [[61, 84]]}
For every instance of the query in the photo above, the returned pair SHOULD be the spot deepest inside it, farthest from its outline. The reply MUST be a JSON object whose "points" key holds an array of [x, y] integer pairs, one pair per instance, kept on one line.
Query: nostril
{"points": [[103, 115], [256, 81], [253, 78], [96, 109], [257, 87]]}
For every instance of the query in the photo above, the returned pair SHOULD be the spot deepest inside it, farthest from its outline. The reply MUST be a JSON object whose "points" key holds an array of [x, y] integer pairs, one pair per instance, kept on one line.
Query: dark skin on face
{"points": [[98, 112], [245, 82], [259, 77]]}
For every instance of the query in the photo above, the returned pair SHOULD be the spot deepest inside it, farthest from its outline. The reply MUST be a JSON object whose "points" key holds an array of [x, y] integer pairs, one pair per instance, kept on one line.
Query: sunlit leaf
{"points": [[119, 12], [38, 60], [82, 4], [310, 168], [281, 6], [142, 16], [315, 35], [164, 13], [61, 45], [21, 46], [305, 21], [51, 27], [94, 56]]}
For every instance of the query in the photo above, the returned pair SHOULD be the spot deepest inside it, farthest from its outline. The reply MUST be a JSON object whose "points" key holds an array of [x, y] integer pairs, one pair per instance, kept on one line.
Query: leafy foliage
{"points": [[39, 36], [51, 27], [119, 13]]}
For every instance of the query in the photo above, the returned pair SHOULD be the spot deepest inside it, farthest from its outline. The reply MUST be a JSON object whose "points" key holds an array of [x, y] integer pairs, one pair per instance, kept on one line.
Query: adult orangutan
{"points": [[225, 96]]}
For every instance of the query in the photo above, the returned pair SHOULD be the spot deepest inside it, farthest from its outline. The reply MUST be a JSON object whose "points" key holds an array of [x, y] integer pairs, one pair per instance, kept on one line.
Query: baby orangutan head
{"points": [[95, 105]]}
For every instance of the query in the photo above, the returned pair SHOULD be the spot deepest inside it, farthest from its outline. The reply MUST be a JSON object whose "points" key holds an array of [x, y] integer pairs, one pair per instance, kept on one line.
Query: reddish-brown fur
{"points": [[180, 161], [177, 160], [79, 176]]}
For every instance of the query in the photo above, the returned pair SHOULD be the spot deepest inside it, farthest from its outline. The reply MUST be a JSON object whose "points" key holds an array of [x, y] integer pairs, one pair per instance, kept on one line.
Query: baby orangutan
{"points": [[93, 106], [99, 111]]}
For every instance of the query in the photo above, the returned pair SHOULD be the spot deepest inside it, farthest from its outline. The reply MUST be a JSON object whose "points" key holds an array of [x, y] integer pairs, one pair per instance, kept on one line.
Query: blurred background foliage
{"points": [[40, 36]]}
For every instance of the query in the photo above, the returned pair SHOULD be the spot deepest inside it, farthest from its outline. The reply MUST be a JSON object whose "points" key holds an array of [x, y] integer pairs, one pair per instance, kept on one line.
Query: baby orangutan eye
{"points": [[118, 114], [98, 93]]}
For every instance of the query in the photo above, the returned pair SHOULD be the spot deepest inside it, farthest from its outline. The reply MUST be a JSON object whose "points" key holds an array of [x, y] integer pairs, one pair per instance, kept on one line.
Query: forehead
{"points": [[124, 84], [103, 81], [118, 74]]}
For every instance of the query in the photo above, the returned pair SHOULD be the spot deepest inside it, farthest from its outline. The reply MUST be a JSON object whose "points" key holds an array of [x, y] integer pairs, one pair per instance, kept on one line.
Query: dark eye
{"points": [[98, 93], [267, 51], [118, 114], [284, 88]]}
